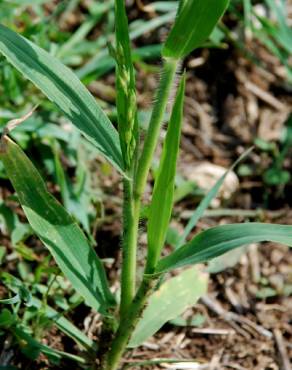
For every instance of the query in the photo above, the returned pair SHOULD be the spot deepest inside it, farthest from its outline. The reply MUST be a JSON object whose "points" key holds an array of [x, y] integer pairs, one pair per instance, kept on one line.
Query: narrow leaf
{"points": [[14, 284], [162, 198], [63, 88], [204, 204], [34, 347], [169, 301], [56, 229], [64, 325], [194, 23], [12, 300], [221, 239]]}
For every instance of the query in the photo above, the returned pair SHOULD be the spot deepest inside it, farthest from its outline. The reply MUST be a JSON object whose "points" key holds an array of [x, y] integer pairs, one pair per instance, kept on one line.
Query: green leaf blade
{"points": [[169, 301], [63, 88], [195, 21], [162, 199], [56, 229], [65, 325], [221, 239], [206, 201]]}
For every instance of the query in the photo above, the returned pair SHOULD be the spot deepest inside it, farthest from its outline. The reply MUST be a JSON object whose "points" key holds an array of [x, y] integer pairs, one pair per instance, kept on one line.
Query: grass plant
{"points": [[124, 318]]}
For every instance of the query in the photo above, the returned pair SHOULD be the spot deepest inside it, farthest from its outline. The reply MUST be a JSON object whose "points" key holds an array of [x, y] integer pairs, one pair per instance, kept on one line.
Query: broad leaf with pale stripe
{"points": [[56, 229], [63, 88], [171, 299]]}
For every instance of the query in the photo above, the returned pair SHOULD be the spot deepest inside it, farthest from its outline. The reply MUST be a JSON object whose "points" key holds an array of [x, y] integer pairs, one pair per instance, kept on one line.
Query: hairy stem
{"points": [[127, 326], [132, 194], [131, 309], [132, 305], [128, 131], [162, 97], [130, 234]]}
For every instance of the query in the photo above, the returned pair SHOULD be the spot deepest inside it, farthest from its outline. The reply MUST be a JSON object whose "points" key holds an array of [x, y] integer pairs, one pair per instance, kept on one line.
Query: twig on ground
{"points": [[6, 353], [254, 263], [215, 362], [285, 363], [233, 299], [168, 362], [213, 331], [234, 366], [220, 212], [264, 96], [231, 316]]}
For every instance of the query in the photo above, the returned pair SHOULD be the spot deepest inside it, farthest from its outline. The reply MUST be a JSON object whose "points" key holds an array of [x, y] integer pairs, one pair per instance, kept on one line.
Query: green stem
{"points": [[127, 326], [132, 195], [168, 74], [130, 234], [128, 131], [132, 305]]}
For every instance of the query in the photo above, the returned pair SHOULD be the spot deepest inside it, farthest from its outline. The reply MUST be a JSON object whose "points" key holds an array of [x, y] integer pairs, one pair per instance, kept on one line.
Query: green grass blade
{"points": [[12, 300], [62, 87], [137, 29], [14, 284], [194, 23], [163, 192], [56, 229], [33, 345], [171, 299], [84, 29], [64, 325], [125, 84], [221, 239], [204, 204], [283, 32], [247, 13]]}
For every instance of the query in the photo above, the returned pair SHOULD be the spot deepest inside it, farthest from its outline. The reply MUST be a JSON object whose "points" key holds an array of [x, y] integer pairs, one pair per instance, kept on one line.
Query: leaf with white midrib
{"points": [[56, 228], [63, 88]]}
